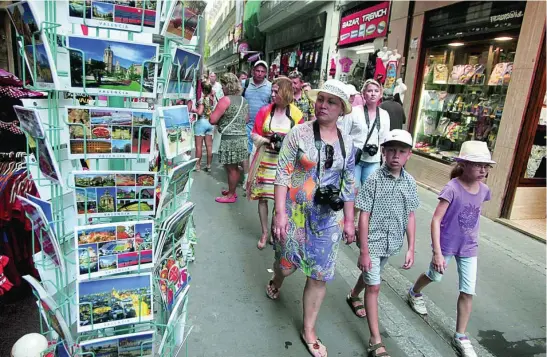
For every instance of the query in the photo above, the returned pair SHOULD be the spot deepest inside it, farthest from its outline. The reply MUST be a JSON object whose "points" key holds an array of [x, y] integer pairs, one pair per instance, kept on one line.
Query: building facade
{"points": [[223, 50]]}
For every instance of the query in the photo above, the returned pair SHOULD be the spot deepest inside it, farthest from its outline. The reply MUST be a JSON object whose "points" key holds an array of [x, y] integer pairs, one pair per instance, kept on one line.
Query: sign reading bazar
{"points": [[364, 25]]}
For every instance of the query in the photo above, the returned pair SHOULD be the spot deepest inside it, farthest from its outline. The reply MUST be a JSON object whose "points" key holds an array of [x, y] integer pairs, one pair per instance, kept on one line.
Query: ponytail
{"points": [[457, 170]]}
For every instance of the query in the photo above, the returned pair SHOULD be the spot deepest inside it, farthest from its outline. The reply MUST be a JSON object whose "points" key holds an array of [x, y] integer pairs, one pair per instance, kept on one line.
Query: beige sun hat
{"points": [[475, 151], [350, 88], [333, 87]]}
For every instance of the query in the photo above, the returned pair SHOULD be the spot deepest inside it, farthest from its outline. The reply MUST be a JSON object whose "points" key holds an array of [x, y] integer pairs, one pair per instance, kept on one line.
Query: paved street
{"points": [[231, 315]]}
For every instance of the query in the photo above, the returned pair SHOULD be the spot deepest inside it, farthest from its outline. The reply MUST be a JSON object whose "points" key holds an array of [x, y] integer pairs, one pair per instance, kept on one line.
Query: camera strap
{"points": [[287, 113], [319, 146], [375, 124]]}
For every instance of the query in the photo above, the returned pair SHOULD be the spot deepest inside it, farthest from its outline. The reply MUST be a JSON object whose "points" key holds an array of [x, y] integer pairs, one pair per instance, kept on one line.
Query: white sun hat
{"points": [[333, 87], [475, 151], [398, 135], [352, 90]]}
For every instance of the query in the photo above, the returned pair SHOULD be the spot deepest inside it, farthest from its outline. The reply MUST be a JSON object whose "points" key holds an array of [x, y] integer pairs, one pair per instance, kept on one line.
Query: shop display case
{"points": [[462, 95]]}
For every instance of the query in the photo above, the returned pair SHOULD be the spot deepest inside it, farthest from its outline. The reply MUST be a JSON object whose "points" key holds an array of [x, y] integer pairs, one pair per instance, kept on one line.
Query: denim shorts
{"points": [[363, 170], [373, 276], [249, 128], [467, 272], [202, 127]]}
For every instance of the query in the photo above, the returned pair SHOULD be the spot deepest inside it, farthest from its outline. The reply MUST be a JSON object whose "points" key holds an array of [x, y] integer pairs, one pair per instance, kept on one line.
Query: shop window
{"points": [[463, 92]]}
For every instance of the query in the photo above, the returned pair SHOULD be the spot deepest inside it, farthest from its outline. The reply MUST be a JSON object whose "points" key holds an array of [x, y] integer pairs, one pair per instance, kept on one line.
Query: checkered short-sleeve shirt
{"points": [[390, 201]]}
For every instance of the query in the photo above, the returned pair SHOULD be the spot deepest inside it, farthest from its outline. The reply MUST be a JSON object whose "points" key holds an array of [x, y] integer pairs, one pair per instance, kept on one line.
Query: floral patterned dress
{"points": [[233, 144], [315, 230]]}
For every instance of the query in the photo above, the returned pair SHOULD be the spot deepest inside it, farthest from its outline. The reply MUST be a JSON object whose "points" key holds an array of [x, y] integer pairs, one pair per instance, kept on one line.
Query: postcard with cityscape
{"points": [[110, 302], [130, 345], [173, 230], [181, 75], [38, 55], [176, 131], [176, 26], [114, 193], [126, 15], [106, 133], [38, 143], [112, 248], [118, 68], [175, 184]]}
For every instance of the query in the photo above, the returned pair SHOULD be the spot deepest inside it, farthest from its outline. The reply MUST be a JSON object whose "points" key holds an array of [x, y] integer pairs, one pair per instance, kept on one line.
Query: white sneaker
{"points": [[417, 303], [463, 347]]}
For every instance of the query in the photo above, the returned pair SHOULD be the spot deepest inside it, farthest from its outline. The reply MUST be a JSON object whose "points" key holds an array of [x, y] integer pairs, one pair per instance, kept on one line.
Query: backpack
{"points": [[245, 87]]}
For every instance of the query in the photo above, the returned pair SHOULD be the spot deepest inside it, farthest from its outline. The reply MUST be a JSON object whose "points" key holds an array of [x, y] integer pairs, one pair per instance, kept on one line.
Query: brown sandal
{"points": [[271, 291], [316, 349], [356, 308], [373, 348]]}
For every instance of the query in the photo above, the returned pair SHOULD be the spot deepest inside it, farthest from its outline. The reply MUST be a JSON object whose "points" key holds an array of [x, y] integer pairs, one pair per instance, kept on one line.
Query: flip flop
{"points": [[226, 199], [274, 295], [350, 300], [226, 192], [316, 349]]}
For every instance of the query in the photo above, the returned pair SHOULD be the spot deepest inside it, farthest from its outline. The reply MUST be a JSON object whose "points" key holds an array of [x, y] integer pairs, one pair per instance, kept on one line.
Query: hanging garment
{"points": [[371, 66], [346, 63], [380, 71], [332, 70]]}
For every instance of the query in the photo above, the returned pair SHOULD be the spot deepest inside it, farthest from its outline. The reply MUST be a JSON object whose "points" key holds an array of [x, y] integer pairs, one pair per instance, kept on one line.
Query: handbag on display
{"points": [[359, 70], [217, 136]]}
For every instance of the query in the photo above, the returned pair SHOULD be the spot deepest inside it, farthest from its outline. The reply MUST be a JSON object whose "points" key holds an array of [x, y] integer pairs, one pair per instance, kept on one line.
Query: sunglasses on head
{"points": [[329, 150], [295, 74]]}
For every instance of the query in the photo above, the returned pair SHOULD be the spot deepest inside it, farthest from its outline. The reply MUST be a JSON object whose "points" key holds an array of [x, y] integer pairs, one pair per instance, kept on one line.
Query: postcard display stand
{"points": [[112, 259]]}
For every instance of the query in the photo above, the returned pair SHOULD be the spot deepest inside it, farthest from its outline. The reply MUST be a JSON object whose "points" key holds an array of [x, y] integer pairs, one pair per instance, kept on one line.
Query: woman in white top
{"points": [[375, 130]]}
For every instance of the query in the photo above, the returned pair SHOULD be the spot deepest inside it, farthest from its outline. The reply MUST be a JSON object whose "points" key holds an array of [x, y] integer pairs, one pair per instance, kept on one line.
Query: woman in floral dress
{"points": [[231, 115], [308, 231], [279, 117]]}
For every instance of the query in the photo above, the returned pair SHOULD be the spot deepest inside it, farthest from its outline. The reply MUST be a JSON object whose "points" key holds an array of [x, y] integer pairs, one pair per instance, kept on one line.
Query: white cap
{"points": [[352, 90], [475, 151], [263, 63], [399, 135]]}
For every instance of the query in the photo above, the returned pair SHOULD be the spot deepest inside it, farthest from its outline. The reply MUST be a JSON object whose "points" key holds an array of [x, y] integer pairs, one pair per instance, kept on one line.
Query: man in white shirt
{"points": [[217, 88]]}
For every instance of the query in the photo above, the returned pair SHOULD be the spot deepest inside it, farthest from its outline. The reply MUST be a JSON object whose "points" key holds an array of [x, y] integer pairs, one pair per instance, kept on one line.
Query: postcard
{"points": [[175, 327], [175, 135], [50, 309], [106, 133], [179, 27], [113, 67], [38, 55], [172, 273], [129, 345], [114, 193], [181, 74], [112, 248], [110, 302], [136, 16], [43, 232], [173, 229], [38, 143], [46, 209], [176, 183]]}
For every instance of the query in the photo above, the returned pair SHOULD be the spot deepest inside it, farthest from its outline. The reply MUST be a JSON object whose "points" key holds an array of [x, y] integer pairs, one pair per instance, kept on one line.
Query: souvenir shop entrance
{"points": [[464, 87]]}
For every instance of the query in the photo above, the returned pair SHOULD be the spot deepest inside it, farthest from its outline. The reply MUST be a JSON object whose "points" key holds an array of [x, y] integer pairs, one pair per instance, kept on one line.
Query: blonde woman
{"points": [[231, 115], [272, 123]]}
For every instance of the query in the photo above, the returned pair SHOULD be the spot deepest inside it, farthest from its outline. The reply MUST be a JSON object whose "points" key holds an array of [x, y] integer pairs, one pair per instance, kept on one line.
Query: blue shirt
{"points": [[257, 96]]}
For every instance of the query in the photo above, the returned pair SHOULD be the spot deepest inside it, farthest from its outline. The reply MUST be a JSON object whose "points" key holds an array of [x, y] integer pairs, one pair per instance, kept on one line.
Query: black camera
{"points": [[277, 141], [371, 149], [330, 195]]}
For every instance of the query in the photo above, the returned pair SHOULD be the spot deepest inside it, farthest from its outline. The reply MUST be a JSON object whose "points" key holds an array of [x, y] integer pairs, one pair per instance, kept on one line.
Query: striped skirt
{"points": [[262, 186]]}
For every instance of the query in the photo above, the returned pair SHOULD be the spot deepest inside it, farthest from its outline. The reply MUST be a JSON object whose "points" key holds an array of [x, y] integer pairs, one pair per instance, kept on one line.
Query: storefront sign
{"points": [[364, 25]]}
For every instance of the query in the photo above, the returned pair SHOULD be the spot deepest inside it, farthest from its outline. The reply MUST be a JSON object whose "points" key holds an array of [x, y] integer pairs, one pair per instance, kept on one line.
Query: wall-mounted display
{"points": [[181, 74], [114, 193], [103, 132], [137, 16], [110, 302], [134, 344], [176, 183], [36, 47], [117, 68], [112, 248], [38, 143], [175, 134]]}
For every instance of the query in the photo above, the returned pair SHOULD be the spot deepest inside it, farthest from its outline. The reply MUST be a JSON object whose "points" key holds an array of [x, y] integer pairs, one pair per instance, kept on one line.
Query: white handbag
{"points": [[217, 135]]}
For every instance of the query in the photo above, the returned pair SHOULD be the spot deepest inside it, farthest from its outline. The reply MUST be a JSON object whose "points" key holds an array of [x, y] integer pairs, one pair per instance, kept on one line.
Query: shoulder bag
{"points": [[217, 137]]}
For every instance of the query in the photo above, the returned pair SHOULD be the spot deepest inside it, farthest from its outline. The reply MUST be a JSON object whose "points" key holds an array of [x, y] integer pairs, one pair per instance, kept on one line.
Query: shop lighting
{"points": [[368, 48], [456, 44], [503, 38], [371, 50]]}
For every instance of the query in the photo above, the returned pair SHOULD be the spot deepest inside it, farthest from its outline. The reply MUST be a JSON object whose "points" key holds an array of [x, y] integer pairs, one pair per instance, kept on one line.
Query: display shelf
{"points": [[57, 262]]}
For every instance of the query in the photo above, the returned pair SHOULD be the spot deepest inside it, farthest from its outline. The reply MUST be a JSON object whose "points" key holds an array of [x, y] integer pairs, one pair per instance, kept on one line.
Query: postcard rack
{"points": [[61, 311]]}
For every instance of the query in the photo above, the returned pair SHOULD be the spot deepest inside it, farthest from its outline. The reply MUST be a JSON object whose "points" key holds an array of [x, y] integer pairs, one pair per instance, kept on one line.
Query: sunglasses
{"points": [[295, 74], [329, 150]]}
